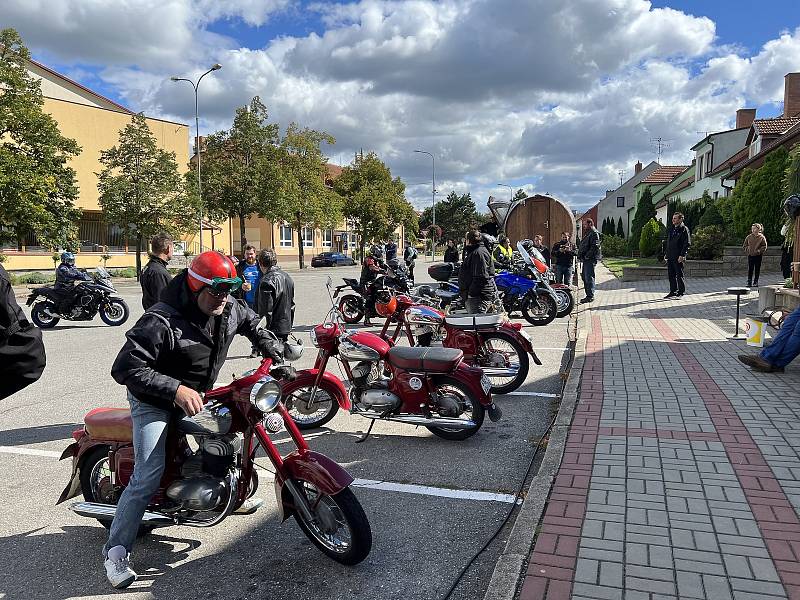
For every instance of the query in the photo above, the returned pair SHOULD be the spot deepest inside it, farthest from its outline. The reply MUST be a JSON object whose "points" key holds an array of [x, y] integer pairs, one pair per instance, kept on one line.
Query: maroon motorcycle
{"points": [[432, 387], [490, 342], [202, 487]]}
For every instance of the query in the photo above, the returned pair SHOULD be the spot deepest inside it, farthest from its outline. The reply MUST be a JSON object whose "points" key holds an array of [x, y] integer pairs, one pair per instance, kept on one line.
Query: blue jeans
{"points": [[564, 274], [786, 345], [587, 274], [149, 448]]}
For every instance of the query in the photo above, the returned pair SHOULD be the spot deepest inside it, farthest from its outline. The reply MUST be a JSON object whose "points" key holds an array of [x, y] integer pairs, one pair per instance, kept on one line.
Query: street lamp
{"points": [[433, 195], [214, 67]]}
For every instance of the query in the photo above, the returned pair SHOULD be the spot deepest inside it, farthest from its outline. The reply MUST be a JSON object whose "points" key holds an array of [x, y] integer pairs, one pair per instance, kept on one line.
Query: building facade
{"points": [[619, 201]]}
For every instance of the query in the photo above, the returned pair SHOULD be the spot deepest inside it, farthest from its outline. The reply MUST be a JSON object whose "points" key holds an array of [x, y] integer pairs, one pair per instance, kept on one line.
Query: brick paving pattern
{"points": [[681, 471]]}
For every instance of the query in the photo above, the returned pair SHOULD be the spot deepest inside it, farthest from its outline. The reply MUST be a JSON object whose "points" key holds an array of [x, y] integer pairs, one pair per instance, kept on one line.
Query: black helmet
{"points": [[791, 206], [376, 251]]}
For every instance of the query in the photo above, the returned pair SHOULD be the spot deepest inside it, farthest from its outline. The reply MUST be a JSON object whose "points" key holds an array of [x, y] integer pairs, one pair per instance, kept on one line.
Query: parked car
{"points": [[332, 259]]}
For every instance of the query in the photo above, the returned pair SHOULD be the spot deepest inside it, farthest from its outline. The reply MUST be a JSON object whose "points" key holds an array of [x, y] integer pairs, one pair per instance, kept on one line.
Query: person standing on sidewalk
{"points": [[564, 257], [155, 276], [755, 245], [275, 299], [678, 242], [451, 252], [589, 254], [784, 347], [409, 257]]}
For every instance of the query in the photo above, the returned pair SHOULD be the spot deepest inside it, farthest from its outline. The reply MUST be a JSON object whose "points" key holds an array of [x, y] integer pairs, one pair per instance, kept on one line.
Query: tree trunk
{"points": [[138, 256], [242, 234], [300, 252]]}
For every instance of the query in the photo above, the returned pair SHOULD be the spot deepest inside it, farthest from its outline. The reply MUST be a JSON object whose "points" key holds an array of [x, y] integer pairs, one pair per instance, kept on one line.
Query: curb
{"points": [[510, 567]]}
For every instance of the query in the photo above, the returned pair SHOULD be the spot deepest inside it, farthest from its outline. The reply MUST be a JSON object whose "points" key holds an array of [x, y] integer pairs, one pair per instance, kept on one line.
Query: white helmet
{"points": [[292, 349]]}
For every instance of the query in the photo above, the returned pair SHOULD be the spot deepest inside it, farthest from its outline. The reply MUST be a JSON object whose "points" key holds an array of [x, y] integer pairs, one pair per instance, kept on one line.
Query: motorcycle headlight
{"points": [[265, 394]]}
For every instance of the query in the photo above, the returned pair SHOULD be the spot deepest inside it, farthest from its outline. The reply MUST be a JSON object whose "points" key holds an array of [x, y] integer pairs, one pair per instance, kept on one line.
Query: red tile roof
{"points": [[664, 175], [688, 182], [774, 126]]}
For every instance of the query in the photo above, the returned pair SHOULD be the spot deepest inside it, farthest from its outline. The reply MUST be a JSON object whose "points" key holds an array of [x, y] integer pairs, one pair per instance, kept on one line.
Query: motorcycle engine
{"points": [[203, 485], [86, 300], [449, 405], [369, 391], [364, 373]]}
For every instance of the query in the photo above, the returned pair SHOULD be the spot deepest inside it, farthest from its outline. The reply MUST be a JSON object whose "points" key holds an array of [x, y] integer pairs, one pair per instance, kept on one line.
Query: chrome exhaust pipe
{"points": [[500, 371], [419, 420], [106, 512]]}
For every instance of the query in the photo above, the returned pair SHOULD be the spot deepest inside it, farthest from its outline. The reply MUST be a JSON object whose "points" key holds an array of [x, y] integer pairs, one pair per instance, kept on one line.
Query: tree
{"points": [[791, 185], [711, 216], [37, 189], [644, 212], [373, 200], [141, 189], [620, 229], [240, 171], [650, 239], [520, 194], [760, 198], [303, 198], [455, 215]]}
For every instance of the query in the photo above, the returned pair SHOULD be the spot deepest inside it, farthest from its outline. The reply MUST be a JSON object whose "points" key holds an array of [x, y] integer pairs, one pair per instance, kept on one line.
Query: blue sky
{"points": [[548, 95]]}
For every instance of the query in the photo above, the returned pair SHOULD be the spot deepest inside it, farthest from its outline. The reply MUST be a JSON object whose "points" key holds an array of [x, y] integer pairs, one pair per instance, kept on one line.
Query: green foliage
{"points": [[707, 243], [3, 258], [33, 278], [520, 194], [373, 200], [614, 245], [692, 211], [454, 215], [140, 187], [37, 188], [791, 185], [620, 233], [725, 207], [650, 238], [241, 168], [712, 216], [127, 272], [759, 197], [644, 212]]}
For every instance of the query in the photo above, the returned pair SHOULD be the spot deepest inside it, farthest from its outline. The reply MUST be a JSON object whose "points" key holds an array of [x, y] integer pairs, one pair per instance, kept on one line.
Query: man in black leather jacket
{"points": [[66, 276], [275, 297], [172, 355], [155, 277], [678, 242], [476, 275]]}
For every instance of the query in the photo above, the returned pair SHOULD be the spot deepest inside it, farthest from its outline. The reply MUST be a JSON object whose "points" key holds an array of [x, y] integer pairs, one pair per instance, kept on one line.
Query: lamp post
{"points": [[214, 67], [433, 196]]}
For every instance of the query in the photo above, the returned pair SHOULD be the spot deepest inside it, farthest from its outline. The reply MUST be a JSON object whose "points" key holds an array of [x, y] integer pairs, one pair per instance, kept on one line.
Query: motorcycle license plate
{"points": [[485, 384]]}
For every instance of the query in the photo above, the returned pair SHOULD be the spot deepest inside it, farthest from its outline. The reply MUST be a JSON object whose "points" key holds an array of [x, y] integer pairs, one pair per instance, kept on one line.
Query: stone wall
{"points": [[735, 260]]}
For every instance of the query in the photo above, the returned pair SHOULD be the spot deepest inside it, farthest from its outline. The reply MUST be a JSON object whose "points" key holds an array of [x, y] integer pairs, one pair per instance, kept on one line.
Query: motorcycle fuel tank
{"points": [[363, 345], [423, 315]]}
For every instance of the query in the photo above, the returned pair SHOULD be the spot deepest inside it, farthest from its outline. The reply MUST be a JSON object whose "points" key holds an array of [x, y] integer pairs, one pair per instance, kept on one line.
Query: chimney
{"points": [[745, 117], [637, 168], [791, 95]]}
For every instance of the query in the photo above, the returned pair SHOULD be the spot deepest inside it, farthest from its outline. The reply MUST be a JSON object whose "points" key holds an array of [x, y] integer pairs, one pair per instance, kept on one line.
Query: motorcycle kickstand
{"points": [[371, 425]]}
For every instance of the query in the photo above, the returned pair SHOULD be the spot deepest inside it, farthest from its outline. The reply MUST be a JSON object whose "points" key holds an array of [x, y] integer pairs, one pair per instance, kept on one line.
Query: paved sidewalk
{"points": [[681, 471]]}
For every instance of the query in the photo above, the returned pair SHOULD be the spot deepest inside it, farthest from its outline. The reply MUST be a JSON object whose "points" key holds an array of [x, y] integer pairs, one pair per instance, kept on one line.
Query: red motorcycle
{"points": [[200, 488], [493, 343], [432, 387]]}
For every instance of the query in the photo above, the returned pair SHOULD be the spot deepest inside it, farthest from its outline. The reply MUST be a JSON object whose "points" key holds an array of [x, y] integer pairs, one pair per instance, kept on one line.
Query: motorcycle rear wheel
{"points": [[352, 309], [472, 408], [539, 309], [96, 483], [340, 528], [494, 343], [115, 313], [41, 319]]}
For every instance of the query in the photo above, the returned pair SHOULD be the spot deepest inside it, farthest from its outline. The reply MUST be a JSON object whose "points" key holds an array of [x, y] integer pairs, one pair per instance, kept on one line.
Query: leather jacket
{"points": [[476, 275], [67, 274], [153, 280], [275, 301], [174, 344]]}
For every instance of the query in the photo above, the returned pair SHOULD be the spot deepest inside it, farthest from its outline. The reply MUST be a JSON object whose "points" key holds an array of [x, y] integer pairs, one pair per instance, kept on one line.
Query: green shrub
{"points": [[34, 278], [614, 245], [127, 272], [712, 216], [707, 243], [650, 240], [3, 258]]}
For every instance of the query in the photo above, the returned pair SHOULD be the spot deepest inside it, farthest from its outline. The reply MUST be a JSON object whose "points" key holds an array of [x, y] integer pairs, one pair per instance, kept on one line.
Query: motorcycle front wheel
{"points": [[322, 410], [471, 409], [352, 309], [339, 527], [115, 312], [566, 301], [539, 309], [42, 315]]}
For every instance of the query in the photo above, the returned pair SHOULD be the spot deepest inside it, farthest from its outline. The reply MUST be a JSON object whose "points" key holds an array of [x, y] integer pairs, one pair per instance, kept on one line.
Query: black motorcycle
{"points": [[87, 299], [353, 306]]}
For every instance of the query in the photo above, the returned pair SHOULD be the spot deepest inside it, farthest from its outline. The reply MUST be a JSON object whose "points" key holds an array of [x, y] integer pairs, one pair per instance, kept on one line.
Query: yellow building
{"points": [[95, 122]]}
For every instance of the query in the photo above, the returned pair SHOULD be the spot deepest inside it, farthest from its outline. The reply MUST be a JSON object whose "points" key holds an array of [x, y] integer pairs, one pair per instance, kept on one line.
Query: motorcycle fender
{"points": [[471, 377], [329, 382], [76, 450], [512, 331], [328, 476], [31, 298]]}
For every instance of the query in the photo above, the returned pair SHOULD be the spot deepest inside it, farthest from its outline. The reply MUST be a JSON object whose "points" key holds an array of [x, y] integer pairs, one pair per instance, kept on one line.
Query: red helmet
{"points": [[213, 269], [385, 303]]}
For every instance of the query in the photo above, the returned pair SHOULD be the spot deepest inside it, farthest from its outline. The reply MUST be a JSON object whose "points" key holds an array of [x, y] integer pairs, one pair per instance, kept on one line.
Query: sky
{"points": [[552, 96]]}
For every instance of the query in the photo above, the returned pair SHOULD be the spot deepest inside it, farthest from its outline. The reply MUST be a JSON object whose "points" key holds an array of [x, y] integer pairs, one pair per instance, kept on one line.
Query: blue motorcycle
{"points": [[525, 289]]}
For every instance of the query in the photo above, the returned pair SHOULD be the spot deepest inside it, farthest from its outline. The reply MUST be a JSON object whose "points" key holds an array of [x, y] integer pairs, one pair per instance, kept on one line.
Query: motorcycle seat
{"points": [[110, 424], [446, 294], [475, 321], [427, 360]]}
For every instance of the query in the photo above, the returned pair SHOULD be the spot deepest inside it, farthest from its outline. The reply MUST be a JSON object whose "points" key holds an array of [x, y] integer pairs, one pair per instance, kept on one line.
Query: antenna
{"points": [[621, 173], [659, 143], [705, 133]]}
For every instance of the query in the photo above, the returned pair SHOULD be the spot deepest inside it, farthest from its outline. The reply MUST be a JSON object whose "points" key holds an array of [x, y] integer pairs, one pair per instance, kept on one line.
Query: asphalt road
{"points": [[422, 537]]}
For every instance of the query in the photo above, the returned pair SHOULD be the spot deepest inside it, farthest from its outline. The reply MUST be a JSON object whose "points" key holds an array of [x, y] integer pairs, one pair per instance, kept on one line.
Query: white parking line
{"points": [[373, 484], [538, 394]]}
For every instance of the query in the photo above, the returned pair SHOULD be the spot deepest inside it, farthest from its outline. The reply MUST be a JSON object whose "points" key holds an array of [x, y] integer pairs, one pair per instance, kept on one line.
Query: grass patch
{"points": [[615, 264]]}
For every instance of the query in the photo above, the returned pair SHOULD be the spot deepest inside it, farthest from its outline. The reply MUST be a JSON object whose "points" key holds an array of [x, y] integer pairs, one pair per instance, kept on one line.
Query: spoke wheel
{"points": [[352, 309], [505, 353], [320, 412]]}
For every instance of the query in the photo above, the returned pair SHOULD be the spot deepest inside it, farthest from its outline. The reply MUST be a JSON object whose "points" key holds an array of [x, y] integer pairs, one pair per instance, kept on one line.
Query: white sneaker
{"points": [[119, 572], [249, 506]]}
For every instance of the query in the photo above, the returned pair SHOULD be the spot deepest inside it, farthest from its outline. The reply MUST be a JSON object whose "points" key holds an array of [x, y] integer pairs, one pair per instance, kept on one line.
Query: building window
{"points": [[286, 236], [308, 237], [716, 195], [620, 201], [327, 238]]}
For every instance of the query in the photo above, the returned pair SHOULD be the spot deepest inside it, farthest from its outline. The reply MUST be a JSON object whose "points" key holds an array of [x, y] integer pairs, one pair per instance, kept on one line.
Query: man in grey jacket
{"points": [[589, 254]]}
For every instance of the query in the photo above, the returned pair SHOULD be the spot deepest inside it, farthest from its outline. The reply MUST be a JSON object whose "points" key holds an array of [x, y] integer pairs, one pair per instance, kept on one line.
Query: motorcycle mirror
{"points": [[330, 281]]}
